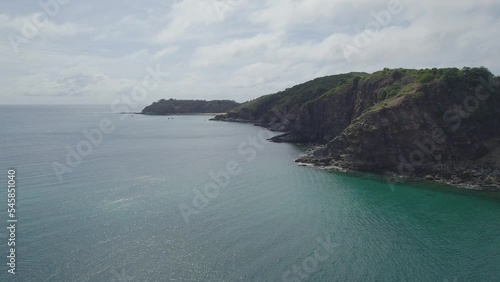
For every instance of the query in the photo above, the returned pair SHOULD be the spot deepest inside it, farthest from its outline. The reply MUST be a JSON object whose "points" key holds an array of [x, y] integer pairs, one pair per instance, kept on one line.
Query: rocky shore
{"points": [[467, 176]]}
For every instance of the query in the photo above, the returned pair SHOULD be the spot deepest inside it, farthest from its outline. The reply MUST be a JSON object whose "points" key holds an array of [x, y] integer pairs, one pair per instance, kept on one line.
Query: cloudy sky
{"points": [[88, 52]]}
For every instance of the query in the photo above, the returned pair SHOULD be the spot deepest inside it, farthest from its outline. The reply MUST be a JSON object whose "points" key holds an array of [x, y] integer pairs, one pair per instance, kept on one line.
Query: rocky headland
{"points": [[434, 124]]}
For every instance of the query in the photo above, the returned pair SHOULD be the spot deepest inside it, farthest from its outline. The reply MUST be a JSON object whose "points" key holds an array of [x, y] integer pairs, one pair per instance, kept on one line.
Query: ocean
{"points": [[108, 197]]}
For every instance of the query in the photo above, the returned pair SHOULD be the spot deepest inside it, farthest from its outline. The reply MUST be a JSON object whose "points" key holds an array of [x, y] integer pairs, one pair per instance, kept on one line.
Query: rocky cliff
{"points": [[172, 106], [438, 124]]}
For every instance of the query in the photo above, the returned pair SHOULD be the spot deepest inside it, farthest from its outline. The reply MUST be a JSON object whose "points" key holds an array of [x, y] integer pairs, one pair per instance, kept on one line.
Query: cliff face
{"points": [[171, 106], [281, 111], [441, 124]]}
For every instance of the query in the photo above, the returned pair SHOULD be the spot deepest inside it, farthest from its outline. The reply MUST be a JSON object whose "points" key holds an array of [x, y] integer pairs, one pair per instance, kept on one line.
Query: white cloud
{"points": [[35, 24], [166, 51], [226, 51], [77, 81], [185, 14], [146, 54], [234, 49], [255, 74], [284, 14]]}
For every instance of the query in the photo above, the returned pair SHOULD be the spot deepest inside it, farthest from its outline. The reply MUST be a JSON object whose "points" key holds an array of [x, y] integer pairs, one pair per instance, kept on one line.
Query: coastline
{"points": [[460, 175]]}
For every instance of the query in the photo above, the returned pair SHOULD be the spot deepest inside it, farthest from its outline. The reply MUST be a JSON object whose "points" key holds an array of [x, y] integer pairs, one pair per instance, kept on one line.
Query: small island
{"points": [[174, 107]]}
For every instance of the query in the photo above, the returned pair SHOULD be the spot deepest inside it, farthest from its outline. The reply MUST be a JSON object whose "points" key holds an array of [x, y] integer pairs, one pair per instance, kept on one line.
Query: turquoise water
{"points": [[116, 216]]}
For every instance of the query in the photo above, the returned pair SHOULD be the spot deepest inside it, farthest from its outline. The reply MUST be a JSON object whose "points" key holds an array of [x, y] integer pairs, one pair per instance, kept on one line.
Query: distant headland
{"points": [[174, 107]]}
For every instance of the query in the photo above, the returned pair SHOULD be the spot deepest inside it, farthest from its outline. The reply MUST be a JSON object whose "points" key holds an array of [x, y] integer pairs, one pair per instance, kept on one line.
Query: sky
{"points": [[94, 52]]}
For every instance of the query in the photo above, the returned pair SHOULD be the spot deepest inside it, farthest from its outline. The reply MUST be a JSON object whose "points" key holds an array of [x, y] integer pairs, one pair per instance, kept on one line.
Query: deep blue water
{"points": [[116, 216]]}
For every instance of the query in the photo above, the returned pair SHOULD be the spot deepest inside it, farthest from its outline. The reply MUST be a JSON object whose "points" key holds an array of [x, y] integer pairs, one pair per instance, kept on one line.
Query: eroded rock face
{"points": [[440, 124]]}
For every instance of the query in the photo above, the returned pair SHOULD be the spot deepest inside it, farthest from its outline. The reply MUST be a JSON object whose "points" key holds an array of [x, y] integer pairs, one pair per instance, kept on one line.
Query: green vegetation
{"points": [[382, 89], [372, 92], [172, 106], [414, 80], [299, 95]]}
